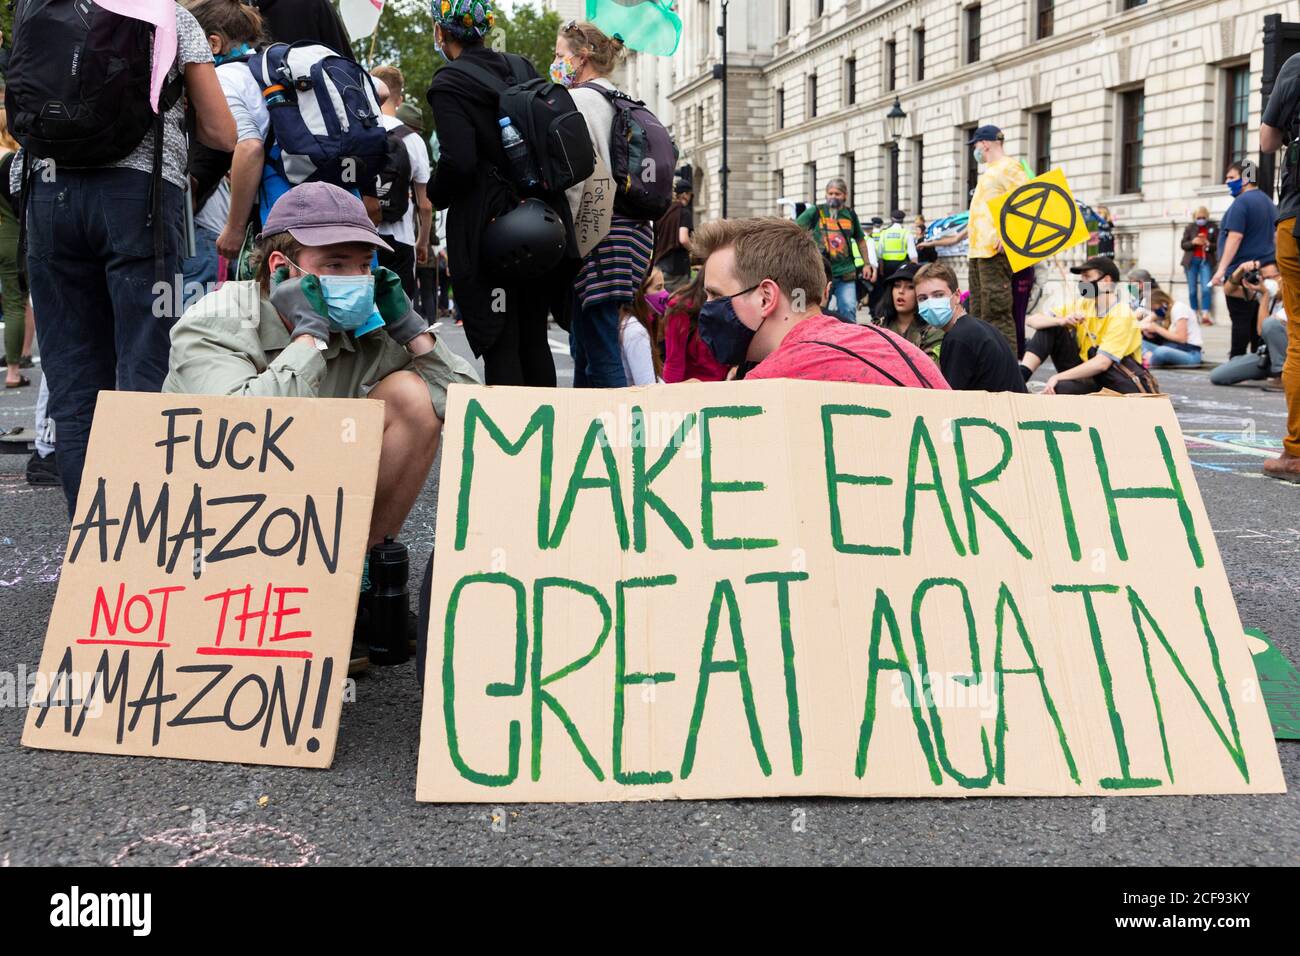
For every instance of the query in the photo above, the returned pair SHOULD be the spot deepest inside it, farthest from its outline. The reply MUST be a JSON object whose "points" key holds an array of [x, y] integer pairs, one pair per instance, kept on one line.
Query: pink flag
{"points": [[162, 14]]}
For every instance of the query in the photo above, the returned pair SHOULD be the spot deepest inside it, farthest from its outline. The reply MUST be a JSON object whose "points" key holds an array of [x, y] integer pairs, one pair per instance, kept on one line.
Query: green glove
{"points": [[401, 321], [301, 301]]}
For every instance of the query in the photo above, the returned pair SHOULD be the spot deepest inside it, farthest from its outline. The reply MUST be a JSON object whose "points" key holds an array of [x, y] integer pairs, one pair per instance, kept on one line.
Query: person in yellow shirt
{"points": [[990, 272], [1094, 340]]}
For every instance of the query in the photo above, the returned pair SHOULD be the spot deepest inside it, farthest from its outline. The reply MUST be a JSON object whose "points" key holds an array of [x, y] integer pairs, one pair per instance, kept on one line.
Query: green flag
{"points": [[649, 26]]}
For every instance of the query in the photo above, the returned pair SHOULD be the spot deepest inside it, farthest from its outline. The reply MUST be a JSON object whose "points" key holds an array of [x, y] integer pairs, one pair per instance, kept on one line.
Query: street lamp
{"points": [[894, 123], [720, 73], [894, 120]]}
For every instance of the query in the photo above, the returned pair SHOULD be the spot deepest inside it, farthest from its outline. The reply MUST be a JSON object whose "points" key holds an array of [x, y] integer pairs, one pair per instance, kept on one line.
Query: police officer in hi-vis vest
{"points": [[894, 245]]}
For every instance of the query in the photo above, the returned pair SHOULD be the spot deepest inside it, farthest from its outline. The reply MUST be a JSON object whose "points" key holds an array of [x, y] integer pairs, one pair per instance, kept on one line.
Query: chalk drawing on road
{"points": [[247, 844]]}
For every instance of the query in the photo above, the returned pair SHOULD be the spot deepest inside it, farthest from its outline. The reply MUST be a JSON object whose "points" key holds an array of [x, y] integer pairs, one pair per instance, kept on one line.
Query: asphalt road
{"points": [[67, 808]]}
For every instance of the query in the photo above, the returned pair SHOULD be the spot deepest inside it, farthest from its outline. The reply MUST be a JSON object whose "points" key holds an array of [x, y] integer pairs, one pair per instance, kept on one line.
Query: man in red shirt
{"points": [[764, 284]]}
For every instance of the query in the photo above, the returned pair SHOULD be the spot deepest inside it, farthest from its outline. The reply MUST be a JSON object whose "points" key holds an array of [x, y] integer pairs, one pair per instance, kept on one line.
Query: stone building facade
{"points": [[1141, 104]]}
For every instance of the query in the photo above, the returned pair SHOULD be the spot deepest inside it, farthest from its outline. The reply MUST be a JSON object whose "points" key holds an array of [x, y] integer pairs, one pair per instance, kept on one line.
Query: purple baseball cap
{"points": [[322, 214]]}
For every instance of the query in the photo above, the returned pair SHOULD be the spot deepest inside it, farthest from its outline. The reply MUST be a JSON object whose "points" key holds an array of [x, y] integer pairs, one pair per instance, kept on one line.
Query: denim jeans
{"points": [[1167, 354], [594, 344], [1199, 294], [91, 268], [844, 300], [200, 269]]}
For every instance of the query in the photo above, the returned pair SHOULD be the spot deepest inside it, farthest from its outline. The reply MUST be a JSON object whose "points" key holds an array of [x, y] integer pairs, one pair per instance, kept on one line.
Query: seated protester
{"points": [[641, 362], [898, 313], [1093, 341], [1265, 364], [764, 286], [1170, 334], [975, 356], [686, 357], [292, 333]]}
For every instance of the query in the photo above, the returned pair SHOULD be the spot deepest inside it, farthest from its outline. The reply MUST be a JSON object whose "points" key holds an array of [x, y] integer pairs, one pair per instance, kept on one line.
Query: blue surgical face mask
{"points": [[722, 331], [1201, 222], [979, 156], [235, 52], [936, 312], [1235, 186], [350, 300]]}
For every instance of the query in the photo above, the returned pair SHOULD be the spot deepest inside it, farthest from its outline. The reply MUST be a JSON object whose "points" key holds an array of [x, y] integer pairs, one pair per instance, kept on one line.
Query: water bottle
{"points": [[389, 604], [517, 152]]}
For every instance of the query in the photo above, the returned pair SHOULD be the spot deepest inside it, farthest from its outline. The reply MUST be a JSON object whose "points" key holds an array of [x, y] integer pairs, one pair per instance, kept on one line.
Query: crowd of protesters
{"points": [[313, 287]]}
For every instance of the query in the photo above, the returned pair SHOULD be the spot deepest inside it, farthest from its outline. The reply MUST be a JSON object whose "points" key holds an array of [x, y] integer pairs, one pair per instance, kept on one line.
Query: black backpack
{"points": [[77, 89], [642, 155], [549, 123], [393, 184]]}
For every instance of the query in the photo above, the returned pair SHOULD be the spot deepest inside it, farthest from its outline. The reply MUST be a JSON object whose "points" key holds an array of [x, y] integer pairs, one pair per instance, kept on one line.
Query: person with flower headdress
{"points": [[505, 323]]}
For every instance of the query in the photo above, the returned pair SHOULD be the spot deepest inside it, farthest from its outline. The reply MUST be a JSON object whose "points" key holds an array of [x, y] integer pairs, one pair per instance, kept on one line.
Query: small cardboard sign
{"points": [[596, 211], [1038, 220], [797, 588], [206, 603]]}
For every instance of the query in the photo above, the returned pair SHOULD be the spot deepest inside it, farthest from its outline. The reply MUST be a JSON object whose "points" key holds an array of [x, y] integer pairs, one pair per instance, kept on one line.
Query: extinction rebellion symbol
{"points": [[1038, 219]]}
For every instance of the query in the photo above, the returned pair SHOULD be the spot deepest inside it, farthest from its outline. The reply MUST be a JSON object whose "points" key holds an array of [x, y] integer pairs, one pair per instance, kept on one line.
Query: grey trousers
{"points": [[1253, 366]]}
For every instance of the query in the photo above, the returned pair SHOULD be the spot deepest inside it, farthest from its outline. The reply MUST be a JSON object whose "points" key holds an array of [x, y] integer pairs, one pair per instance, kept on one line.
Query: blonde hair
{"points": [[768, 248], [603, 52], [392, 78], [7, 141]]}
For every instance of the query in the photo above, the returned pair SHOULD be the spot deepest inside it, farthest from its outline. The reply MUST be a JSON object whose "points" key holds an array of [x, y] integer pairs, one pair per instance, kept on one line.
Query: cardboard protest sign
{"points": [[206, 603], [596, 211], [782, 588], [1038, 220]]}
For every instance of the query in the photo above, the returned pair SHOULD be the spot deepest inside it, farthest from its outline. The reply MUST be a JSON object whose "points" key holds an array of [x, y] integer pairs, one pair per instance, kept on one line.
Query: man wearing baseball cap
{"points": [[318, 321], [1093, 340], [990, 272]]}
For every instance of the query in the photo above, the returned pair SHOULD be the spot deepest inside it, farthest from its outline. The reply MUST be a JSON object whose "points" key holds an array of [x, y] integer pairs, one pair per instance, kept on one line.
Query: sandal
{"points": [[23, 382]]}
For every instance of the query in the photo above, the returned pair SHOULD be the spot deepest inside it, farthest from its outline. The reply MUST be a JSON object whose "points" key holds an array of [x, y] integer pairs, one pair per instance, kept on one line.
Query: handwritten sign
{"points": [[783, 588], [596, 211], [1038, 220], [208, 593]]}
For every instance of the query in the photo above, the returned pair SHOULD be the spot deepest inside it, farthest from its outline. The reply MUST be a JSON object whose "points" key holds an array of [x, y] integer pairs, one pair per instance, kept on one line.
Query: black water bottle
{"points": [[389, 603]]}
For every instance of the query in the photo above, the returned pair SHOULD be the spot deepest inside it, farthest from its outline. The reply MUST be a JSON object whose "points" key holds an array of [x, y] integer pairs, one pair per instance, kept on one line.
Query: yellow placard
{"points": [[1037, 220]]}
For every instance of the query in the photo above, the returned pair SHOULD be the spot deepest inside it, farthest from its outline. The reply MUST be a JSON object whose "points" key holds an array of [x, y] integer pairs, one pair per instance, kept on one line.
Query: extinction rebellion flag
{"points": [[649, 26]]}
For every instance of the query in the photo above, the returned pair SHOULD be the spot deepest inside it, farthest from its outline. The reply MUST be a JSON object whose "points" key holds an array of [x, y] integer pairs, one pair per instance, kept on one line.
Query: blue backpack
{"points": [[324, 115]]}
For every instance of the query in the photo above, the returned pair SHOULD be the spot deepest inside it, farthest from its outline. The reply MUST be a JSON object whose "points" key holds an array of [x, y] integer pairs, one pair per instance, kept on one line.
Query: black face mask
{"points": [[722, 331]]}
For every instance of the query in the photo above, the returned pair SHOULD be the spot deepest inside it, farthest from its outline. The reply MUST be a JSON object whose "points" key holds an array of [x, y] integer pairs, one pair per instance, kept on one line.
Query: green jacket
{"points": [[920, 333], [233, 342]]}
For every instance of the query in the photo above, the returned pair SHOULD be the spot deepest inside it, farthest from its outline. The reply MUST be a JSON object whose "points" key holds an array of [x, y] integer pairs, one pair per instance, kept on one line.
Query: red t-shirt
{"points": [[827, 350]]}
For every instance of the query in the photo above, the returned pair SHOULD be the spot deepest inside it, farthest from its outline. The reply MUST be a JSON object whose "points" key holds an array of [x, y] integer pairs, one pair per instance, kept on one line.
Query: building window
{"points": [[891, 63], [699, 121], [850, 81], [810, 180], [1046, 22], [780, 109], [1132, 116], [1042, 123], [849, 167], [1236, 121], [821, 7], [812, 96], [971, 16], [1134, 4], [971, 167], [918, 177], [787, 16], [918, 53], [778, 183]]}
